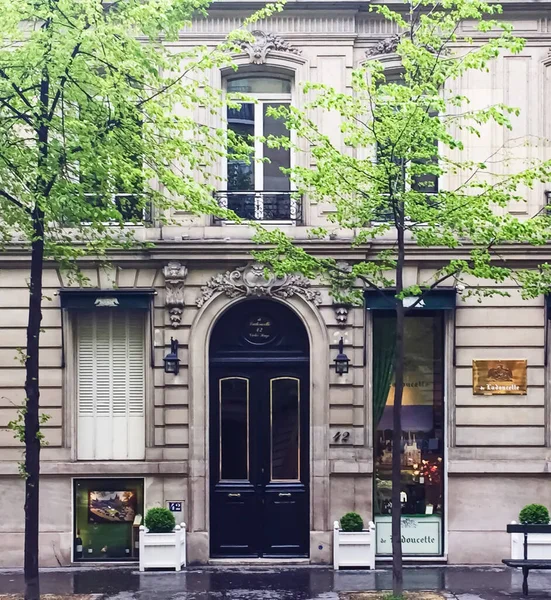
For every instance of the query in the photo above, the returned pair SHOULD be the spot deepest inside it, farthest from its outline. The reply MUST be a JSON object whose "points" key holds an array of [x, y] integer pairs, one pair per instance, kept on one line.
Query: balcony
{"points": [[269, 207]]}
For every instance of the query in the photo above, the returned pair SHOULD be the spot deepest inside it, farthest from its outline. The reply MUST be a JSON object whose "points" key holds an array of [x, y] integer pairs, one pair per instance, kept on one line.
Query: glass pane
{"points": [[259, 85], [285, 423], [427, 182], [241, 170], [105, 511], [422, 446], [234, 428], [277, 158]]}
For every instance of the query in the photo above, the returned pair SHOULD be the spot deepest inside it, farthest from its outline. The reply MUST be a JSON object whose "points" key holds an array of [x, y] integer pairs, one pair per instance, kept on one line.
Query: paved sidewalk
{"points": [[267, 583]]}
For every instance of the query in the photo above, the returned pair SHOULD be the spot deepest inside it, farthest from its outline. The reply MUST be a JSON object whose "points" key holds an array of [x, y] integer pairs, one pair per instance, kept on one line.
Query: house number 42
{"points": [[341, 437]]}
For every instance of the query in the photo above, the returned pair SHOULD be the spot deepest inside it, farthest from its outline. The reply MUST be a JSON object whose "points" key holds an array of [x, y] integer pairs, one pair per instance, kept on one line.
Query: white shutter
{"points": [[111, 385]]}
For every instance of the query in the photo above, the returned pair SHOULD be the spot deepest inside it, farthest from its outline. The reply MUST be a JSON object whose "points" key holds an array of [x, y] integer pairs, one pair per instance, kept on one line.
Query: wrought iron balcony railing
{"points": [[282, 207]]}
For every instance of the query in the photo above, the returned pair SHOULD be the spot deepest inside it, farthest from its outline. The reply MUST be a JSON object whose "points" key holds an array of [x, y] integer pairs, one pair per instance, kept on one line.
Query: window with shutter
{"points": [[111, 385]]}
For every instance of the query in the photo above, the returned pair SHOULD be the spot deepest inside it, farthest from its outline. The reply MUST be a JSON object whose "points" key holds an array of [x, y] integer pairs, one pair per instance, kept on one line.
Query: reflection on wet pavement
{"points": [[266, 583]]}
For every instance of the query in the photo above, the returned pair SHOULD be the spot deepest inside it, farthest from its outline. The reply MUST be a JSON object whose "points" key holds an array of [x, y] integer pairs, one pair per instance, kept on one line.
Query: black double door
{"points": [[259, 496]]}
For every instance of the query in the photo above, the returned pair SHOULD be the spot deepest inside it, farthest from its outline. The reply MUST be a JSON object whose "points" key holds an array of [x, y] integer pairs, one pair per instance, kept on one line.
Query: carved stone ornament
{"points": [[175, 276], [250, 281], [341, 314], [387, 46], [264, 42]]}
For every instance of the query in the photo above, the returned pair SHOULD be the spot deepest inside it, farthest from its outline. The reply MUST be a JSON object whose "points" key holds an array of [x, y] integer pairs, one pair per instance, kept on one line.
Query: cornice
{"points": [[209, 252]]}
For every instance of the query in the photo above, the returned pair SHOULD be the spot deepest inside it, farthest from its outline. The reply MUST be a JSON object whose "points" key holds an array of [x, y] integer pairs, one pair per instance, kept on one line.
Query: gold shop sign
{"points": [[499, 377]]}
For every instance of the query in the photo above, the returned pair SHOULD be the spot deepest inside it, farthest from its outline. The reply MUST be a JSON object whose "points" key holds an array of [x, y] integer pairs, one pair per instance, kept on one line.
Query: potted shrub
{"points": [[534, 529], [353, 546], [162, 542]]}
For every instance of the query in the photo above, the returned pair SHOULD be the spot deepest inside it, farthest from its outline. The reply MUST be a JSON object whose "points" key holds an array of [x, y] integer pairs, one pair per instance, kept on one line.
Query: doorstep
{"points": [[431, 560], [259, 561]]}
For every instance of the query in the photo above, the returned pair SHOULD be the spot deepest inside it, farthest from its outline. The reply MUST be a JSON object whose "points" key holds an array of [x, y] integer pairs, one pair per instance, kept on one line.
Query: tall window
{"points": [[111, 385], [122, 191], [257, 188], [405, 181], [422, 446]]}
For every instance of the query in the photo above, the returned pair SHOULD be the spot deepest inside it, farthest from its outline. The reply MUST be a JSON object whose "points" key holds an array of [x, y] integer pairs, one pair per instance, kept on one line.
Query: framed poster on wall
{"points": [[111, 506]]}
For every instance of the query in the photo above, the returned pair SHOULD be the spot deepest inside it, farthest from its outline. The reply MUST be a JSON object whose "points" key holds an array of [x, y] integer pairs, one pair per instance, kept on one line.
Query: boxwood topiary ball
{"points": [[534, 514], [352, 522], [159, 520]]}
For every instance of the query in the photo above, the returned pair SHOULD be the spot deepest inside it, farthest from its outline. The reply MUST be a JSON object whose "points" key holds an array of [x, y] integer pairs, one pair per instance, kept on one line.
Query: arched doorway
{"points": [[259, 432]]}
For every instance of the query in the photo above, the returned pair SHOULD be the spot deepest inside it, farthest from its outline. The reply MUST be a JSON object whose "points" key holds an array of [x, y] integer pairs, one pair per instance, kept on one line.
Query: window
{"points": [[107, 513], [426, 183], [111, 385], [257, 189], [422, 447], [122, 191]]}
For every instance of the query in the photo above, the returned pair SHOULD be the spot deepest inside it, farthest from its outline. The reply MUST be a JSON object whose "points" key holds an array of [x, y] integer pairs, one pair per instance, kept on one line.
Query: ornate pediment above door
{"points": [[251, 281]]}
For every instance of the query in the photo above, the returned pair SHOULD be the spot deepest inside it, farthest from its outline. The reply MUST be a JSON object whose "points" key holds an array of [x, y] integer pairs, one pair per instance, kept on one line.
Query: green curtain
{"points": [[384, 344]]}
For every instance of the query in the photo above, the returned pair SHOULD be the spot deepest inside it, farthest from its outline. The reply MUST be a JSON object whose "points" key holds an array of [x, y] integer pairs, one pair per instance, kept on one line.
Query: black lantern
{"points": [[342, 362], [172, 362]]}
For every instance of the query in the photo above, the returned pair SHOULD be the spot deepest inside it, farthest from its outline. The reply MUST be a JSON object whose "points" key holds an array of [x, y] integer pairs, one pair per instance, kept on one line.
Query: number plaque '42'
{"points": [[342, 437]]}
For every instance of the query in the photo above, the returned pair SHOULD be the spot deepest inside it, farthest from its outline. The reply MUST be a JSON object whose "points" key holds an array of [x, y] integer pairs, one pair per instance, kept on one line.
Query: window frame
{"points": [[393, 75], [259, 100]]}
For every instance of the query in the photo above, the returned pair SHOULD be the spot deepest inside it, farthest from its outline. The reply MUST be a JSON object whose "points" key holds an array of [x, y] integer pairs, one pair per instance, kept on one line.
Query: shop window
{"points": [[108, 514], [111, 385], [422, 446]]}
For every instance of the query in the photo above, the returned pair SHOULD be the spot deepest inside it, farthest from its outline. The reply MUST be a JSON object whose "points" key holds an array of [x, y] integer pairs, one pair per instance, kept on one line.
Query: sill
{"points": [[123, 468], [387, 558], [261, 222]]}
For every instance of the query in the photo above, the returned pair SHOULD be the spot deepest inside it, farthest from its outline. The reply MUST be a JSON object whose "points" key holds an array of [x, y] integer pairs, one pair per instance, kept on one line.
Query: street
{"points": [[267, 583]]}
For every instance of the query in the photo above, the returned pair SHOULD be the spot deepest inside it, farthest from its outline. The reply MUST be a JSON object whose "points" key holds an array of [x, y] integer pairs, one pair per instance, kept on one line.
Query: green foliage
{"points": [[99, 122], [159, 520], [351, 522], [417, 125], [534, 514], [17, 426]]}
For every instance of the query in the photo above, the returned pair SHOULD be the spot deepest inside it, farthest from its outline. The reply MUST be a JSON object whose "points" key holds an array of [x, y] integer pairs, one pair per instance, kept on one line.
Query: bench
{"points": [[527, 564]]}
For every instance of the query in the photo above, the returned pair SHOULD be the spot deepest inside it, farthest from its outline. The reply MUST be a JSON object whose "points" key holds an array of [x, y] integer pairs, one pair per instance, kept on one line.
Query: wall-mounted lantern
{"points": [[342, 362], [172, 362]]}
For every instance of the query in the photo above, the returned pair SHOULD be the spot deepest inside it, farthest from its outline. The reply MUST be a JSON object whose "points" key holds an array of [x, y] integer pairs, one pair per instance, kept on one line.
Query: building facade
{"points": [[256, 442]]}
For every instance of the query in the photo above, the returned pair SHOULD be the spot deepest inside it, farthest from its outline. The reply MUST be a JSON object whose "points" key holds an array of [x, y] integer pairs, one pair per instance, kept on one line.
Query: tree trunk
{"points": [[32, 417], [397, 567], [32, 384]]}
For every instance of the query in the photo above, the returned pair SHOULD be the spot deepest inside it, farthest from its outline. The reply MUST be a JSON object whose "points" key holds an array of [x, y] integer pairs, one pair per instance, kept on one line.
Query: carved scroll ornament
{"points": [[251, 281], [263, 44]]}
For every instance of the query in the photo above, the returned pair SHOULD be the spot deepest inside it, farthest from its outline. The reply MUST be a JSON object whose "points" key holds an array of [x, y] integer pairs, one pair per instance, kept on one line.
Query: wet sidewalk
{"points": [[267, 583]]}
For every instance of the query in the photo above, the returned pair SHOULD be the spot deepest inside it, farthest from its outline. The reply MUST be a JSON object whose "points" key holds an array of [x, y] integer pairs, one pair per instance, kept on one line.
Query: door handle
{"points": [[282, 494], [234, 495]]}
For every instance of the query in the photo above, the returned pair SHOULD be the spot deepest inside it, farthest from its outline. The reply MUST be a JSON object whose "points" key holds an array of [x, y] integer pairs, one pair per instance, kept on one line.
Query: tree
{"points": [[95, 111], [404, 130]]}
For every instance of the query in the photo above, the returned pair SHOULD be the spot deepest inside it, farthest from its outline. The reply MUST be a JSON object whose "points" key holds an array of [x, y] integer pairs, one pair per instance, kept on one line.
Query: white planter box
{"points": [[539, 545], [354, 548], [163, 550]]}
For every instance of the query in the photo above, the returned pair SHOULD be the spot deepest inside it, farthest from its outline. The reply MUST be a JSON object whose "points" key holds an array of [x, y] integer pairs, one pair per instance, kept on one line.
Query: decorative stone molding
{"points": [[175, 276], [341, 288], [263, 44], [251, 281], [387, 46], [341, 314], [308, 24]]}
